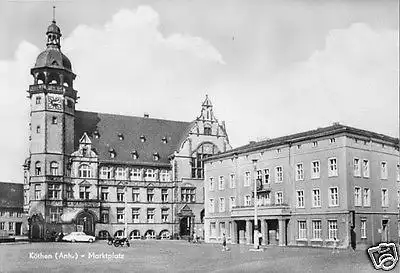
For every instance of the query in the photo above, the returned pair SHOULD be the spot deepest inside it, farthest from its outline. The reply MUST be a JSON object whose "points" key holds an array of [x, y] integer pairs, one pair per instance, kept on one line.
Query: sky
{"points": [[270, 68]]}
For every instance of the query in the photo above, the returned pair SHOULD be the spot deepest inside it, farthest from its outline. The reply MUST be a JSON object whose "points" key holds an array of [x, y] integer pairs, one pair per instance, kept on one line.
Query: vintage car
{"points": [[78, 237]]}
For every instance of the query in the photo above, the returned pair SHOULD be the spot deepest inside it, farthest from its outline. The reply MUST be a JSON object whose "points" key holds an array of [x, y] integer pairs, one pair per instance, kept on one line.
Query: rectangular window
{"points": [[104, 216], [356, 167], [333, 197], [221, 183], [38, 100], [54, 120], [232, 202], [222, 229], [259, 175], [105, 173], [365, 168], [84, 192], [279, 198], [38, 193], [55, 214], [11, 214], [316, 198], [120, 215], [221, 204], [278, 174], [38, 129], [332, 229], [299, 172], [211, 205], [357, 196], [120, 194], [164, 215], [315, 144], [247, 200], [150, 215], [10, 225], [2, 225], [363, 229], [135, 194], [104, 193], [302, 230], [188, 195], [332, 168], [211, 188], [232, 182], [367, 197], [247, 179], [398, 172], [266, 176], [213, 230], [385, 198], [164, 176], [300, 199], [384, 172], [150, 195], [120, 173], [150, 175], [316, 229], [136, 174], [54, 191], [315, 169], [164, 195], [135, 215]]}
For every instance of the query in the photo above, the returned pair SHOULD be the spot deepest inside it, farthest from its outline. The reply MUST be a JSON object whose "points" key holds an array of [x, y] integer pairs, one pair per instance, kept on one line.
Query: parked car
{"points": [[78, 237]]}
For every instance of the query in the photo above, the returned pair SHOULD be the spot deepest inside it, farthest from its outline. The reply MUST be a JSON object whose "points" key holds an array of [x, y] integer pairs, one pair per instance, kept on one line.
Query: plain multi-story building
{"points": [[312, 187], [13, 220], [110, 174]]}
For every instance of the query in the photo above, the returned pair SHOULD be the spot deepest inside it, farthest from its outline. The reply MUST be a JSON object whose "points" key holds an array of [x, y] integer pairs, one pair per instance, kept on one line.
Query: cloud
{"points": [[353, 79], [125, 66]]}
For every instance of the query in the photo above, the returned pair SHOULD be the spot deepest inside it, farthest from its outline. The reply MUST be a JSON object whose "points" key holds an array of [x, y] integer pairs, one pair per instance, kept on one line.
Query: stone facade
{"points": [[334, 182]]}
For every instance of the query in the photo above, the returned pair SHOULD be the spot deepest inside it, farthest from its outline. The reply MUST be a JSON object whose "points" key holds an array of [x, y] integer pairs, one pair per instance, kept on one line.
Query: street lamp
{"points": [[256, 237], [126, 210]]}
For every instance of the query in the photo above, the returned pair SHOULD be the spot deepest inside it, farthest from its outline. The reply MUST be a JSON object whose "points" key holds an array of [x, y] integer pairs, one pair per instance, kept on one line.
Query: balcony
{"points": [[53, 88], [262, 210]]}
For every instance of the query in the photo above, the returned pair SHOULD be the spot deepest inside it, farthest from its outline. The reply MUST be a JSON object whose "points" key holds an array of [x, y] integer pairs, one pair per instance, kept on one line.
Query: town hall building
{"points": [[108, 174]]}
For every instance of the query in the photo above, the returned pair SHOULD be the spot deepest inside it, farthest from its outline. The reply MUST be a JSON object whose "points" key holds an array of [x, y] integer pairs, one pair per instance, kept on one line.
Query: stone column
{"points": [[217, 231], [249, 232], [282, 231], [234, 239], [263, 224]]}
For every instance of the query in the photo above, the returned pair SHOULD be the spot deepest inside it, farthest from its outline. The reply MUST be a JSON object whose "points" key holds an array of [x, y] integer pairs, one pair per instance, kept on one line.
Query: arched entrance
{"points": [[36, 227], [85, 221], [185, 226]]}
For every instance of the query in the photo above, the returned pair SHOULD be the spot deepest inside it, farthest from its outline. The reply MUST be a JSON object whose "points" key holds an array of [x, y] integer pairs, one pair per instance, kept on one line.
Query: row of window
{"points": [[150, 215], [264, 175], [11, 226], [10, 214], [316, 230], [188, 195]]}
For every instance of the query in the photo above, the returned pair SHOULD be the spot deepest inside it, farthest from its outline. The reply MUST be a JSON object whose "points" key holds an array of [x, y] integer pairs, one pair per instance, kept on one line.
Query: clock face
{"points": [[54, 103]]}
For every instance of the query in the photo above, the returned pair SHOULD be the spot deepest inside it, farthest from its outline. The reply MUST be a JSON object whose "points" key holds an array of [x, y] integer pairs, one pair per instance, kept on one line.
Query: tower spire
{"points": [[54, 13]]}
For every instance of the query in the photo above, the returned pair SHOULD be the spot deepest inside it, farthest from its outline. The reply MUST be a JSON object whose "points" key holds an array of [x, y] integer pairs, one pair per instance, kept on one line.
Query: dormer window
{"points": [[112, 152], [164, 140], [120, 136], [135, 155], [156, 156], [142, 138], [96, 134]]}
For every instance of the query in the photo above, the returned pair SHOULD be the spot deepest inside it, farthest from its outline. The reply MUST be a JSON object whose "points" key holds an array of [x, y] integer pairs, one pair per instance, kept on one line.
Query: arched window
{"points": [[54, 168], [119, 234], [38, 168], [165, 234], [104, 234], [150, 234], [85, 171], [135, 235]]}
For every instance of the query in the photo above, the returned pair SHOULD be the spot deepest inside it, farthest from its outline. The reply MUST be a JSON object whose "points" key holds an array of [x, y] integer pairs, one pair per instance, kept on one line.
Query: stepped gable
{"points": [[125, 135]]}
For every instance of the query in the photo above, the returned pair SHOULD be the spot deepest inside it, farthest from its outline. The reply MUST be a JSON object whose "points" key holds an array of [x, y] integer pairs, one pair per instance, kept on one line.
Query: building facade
{"points": [[13, 220], [312, 187], [109, 174]]}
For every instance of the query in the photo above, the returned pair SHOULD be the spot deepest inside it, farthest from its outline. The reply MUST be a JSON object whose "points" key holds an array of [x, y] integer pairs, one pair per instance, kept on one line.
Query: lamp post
{"points": [[126, 210], [256, 240]]}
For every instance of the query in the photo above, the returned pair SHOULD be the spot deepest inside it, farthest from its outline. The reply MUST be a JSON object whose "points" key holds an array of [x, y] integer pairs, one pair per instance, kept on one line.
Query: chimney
{"points": [[146, 115]]}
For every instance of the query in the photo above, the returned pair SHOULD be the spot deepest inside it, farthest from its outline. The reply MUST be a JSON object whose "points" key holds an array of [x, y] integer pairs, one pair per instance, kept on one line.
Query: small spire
{"points": [[54, 14]]}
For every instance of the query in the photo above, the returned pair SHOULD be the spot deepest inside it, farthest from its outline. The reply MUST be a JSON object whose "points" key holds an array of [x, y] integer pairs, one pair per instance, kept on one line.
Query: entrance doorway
{"points": [[185, 226], [18, 228], [385, 230], [86, 220]]}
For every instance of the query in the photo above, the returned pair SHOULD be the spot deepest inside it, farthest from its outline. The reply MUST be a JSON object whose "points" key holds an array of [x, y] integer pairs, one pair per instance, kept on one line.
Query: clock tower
{"points": [[52, 116]]}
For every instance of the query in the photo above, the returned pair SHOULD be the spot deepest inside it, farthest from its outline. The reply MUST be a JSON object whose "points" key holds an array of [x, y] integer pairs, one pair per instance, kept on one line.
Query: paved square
{"points": [[175, 256]]}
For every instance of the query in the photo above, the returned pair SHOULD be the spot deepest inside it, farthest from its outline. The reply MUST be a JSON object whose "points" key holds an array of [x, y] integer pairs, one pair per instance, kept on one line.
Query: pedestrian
{"points": [[224, 242], [335, 246]]}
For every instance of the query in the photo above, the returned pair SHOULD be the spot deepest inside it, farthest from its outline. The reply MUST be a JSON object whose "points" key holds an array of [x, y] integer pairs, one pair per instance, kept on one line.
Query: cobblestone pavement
{"points": [[175, 256]]}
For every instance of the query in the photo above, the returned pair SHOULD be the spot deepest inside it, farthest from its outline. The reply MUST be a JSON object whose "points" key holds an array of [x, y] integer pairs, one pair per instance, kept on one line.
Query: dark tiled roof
{"points": [[109, 126], [304, 136], [11, 195]]}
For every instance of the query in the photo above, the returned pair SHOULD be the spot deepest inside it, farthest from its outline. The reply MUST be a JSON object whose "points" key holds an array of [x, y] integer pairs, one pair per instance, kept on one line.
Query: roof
{"points": [[124, 135], [54, 58], [304, 136], [11, 195]]}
